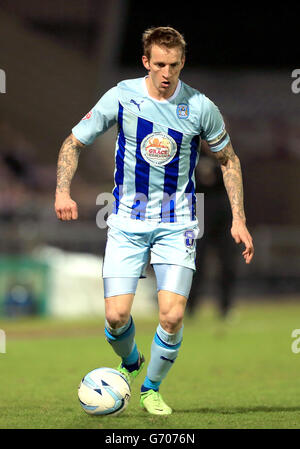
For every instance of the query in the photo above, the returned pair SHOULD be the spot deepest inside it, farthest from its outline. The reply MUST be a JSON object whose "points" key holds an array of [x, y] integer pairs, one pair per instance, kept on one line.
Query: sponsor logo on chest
{"points": [[158, 148]]}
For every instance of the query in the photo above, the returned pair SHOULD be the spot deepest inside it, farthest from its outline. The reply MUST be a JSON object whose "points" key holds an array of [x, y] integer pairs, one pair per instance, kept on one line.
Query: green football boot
{"points": [[130, 376], [153, 402]]}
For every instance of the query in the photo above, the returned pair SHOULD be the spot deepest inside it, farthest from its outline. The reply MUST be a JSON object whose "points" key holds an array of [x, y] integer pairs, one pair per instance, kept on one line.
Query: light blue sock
{"points": [[123, 342], [164, 350]]}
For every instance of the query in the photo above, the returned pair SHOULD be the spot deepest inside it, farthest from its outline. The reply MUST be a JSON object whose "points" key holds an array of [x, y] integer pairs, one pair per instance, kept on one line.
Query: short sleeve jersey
{"points": [[157, 147]]}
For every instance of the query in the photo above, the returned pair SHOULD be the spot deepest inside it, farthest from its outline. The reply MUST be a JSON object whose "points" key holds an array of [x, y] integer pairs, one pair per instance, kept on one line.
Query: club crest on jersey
{"points": [[182, 110], [158, 148]]}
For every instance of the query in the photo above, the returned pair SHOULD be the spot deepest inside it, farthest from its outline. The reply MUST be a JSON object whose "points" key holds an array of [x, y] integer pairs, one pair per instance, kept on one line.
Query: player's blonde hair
{"points": [[162, 36]]}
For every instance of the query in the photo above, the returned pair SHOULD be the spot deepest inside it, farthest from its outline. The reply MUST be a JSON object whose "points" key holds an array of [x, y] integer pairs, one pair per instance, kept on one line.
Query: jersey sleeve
{"points": [[213, 127], [100, 118]]}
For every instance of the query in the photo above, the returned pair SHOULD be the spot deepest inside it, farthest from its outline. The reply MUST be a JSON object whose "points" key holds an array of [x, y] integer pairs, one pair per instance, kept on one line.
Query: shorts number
{"points": [[189, 238]]}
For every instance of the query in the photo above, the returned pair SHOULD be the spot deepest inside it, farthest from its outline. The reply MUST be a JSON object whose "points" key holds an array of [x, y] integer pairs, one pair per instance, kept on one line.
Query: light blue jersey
{"points": [[157, 147]]}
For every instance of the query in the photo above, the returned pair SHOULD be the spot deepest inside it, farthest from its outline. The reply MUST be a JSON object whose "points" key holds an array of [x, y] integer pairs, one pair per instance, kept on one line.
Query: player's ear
{"points": [[182, 61], [146, 62]]}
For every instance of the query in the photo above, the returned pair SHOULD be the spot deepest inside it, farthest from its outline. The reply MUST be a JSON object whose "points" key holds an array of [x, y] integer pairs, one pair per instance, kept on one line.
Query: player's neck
{"points": [[156, 93]]}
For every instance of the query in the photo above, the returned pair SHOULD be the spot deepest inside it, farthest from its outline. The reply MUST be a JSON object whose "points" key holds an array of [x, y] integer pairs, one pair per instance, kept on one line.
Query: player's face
{"points": [[164, 67]]}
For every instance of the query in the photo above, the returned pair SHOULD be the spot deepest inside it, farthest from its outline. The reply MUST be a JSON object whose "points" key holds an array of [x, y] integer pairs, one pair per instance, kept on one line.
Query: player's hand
{"points": [[241, 234], [65, 207]]}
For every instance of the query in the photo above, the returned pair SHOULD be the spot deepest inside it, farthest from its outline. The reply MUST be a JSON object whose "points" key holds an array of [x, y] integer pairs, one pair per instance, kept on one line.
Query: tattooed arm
{"points": [[65, 207], [233, 181]]}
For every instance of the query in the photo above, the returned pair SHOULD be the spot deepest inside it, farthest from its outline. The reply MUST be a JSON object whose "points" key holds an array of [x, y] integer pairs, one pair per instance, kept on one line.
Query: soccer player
{"points": [[161, 121]]}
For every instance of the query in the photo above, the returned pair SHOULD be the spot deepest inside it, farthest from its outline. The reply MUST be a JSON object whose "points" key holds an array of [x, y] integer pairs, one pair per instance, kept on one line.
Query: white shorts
{"points": [[131, 243]]}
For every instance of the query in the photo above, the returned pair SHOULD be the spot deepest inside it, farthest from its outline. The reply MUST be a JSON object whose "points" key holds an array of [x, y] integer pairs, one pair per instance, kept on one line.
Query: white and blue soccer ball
{"points": [[104, 391]]}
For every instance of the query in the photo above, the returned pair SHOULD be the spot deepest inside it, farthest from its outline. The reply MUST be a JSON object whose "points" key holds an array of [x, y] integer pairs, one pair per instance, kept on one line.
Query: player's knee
{"points": [[171, 322], [116, 318]]}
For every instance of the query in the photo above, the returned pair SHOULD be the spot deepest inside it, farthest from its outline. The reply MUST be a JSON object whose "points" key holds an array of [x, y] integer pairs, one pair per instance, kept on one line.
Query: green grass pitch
{"points": [[239, 375]]}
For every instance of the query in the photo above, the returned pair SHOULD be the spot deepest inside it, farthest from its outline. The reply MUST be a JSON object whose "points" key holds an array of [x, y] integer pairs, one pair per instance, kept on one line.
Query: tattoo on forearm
{"points": [[233, 181], [67, 164]]}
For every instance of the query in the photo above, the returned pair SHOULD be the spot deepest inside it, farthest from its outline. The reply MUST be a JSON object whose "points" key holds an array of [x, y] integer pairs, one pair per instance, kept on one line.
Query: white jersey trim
{"points": [[156, 123]]}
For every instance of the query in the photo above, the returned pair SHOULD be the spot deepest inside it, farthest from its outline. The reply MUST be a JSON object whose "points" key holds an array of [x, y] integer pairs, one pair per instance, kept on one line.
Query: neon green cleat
{"points": [[153, 402], [130, 376]]}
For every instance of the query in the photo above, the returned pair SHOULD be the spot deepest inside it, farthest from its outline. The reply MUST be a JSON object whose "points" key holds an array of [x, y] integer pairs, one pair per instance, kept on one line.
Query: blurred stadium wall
{"points": [[59, 57]]}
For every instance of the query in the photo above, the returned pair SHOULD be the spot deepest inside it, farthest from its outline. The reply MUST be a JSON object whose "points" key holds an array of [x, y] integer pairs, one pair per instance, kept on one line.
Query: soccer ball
{"points": [[104, 391]]}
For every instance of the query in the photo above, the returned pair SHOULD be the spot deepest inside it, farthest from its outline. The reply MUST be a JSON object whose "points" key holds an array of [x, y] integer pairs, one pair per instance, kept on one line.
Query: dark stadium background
{"points": [[60, 57]]}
